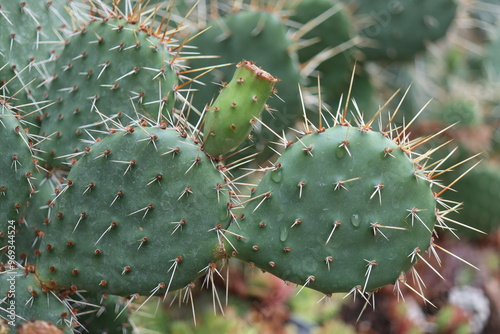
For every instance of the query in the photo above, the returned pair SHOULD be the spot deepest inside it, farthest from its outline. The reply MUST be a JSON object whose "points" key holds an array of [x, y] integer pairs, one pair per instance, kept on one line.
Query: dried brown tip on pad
{"points": [[258, 71]]}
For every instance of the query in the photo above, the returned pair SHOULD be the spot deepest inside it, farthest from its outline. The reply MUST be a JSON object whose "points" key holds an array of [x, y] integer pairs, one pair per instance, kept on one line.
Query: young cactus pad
{"points": [[142, 212], [343, 208], [261, 37], [230, 118]]}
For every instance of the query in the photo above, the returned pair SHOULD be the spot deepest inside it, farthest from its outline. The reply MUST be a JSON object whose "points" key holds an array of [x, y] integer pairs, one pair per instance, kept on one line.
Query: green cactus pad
{"points": [[104, 314], [259, 37], [35, 215], [230, 118], [343, 208], [142, 212], [32, 33], [478, 190], [331, 55], [397, 30], [108, 63], [23, 299], [16, 177]]}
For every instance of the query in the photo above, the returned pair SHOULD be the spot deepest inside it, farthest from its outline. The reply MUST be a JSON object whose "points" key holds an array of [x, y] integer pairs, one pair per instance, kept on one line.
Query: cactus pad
{"points": [[328, 192], [108, 63], [16, 184], [23, 299], [141, 212], [229, 119], [398, 30]]}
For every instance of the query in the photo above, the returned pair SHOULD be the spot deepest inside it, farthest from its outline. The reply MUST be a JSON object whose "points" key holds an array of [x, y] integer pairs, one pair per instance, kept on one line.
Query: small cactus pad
{"points": [[110, 62], [25, 302], [230, 118], [262, 38], [342, 209], [141, 212]]}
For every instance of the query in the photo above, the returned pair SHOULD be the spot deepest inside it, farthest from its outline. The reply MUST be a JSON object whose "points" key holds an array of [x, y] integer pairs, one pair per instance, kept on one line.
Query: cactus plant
{"points": [[23, 299], [16, 184], [148, 189], [90, 75], [400, 29], [146, 202], [240, 103], [142, 193], [332, 189], [28, 50]]}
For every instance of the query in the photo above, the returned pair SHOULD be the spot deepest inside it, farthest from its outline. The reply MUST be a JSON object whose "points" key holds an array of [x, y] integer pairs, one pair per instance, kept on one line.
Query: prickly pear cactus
{"points": [[229, 38], [35, 215], [230, 118], [478, 191], [398, 30], [23, 299], [104, 314], [16, 169], [344, 209], [32, 33], [109, 62], [142, 211]]}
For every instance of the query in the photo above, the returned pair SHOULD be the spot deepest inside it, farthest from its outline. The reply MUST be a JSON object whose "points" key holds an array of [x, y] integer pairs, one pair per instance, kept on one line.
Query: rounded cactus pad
{"points": [[342, 209], [261, 37], [142, 212]]}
